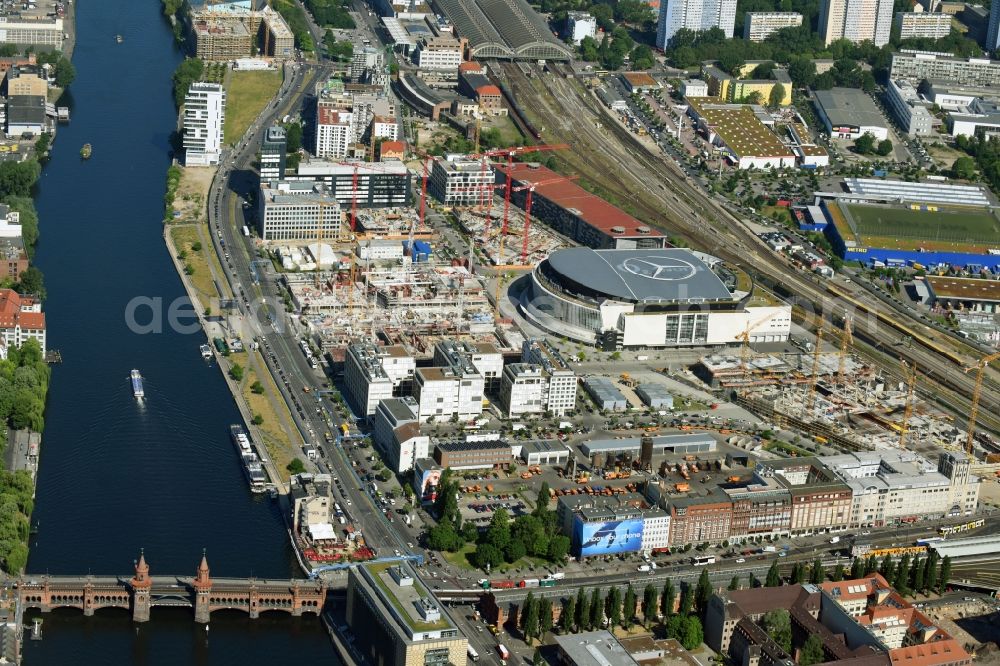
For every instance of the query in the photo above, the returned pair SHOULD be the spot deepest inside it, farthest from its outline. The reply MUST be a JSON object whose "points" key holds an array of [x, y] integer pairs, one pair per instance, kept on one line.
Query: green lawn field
{"points": [[247, 93], [904, 227]]}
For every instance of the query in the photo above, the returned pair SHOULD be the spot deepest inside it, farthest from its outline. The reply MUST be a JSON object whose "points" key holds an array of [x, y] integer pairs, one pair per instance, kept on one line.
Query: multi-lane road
{"points": [[262, 313]]}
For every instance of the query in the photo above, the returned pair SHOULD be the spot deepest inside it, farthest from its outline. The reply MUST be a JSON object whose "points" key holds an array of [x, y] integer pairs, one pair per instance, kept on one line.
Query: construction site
{"points": [[229, 31], [503, 244]]}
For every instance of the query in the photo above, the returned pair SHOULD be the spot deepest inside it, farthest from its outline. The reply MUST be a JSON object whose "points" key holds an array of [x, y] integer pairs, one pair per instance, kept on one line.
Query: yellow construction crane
{"points": [[815, 368], [979, 367], [846, 340], [745, 337], [911, 387], [501, 278]]}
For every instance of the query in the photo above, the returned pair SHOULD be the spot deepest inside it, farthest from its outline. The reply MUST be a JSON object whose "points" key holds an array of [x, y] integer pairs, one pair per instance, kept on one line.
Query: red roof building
{"points": [[21, 318], [574, 212], [391, 150], [470, 67]]}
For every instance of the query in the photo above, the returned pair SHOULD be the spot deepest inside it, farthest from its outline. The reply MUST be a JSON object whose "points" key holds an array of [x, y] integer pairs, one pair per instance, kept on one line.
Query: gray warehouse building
{"points": [[695, 442], [504, 29], [655, 396], [605, 394]]}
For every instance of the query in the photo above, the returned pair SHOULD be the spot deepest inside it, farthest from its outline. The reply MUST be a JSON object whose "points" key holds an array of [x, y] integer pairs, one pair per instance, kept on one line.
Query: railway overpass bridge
{"points": [[140, 593]]}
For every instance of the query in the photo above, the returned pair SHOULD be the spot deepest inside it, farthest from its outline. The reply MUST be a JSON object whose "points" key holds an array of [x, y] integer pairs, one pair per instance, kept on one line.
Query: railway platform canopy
{"points": [[981, 545], [504, 29]]}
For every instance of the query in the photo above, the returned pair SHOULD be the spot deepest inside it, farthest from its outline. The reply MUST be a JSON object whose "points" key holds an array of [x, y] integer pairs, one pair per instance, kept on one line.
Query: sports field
{"points": [[946, 229]]}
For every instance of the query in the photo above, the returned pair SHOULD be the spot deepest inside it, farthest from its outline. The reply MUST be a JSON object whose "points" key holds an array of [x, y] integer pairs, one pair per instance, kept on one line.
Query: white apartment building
{"points": [[562, 379], [856, 21], [923, 24], [367, 58], [373, 374], [524, 390], [334, 132], [758, 26], [459, 181], [439, 53], [471, 357], [694, 15], [443, 393], [908, 108], [384, 127], [43, 32], [299, 211], [580, 25], [21, 319], [204, 117], [396, 432], [655, 531]]}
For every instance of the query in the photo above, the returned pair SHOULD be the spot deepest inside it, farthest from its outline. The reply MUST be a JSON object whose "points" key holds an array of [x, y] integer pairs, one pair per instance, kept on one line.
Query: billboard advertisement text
{"points": [[608, 538]]}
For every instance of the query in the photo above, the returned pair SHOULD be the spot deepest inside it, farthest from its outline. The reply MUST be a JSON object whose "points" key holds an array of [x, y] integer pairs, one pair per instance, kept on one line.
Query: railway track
{"points": [[657, 191]]}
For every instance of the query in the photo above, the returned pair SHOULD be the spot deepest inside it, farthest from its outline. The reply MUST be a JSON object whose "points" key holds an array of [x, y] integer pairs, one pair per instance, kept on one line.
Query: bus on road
{"points": [[473, 655], [503, 651], [703, 560]]}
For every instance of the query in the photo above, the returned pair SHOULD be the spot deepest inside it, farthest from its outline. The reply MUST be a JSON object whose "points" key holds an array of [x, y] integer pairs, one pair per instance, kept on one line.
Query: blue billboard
{"points": [[608, 538]]}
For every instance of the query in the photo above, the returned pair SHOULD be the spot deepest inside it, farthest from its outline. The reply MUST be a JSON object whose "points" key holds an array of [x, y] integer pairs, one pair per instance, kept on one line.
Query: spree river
{"points": [[118, 475]]}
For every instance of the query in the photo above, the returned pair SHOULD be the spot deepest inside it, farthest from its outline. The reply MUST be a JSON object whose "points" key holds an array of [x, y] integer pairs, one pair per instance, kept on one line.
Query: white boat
{"points": [[137, 384], [206, 351]]}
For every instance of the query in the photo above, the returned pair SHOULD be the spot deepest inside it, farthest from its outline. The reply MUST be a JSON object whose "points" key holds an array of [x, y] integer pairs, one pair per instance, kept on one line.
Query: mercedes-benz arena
{"points": [[649, 298]]}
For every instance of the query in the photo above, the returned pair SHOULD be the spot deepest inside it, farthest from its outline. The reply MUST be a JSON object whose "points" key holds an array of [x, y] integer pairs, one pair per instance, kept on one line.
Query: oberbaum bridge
{"points": [[202, 593]]}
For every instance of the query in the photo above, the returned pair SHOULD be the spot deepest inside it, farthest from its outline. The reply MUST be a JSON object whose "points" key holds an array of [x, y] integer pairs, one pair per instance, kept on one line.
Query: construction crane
{"points": [[527, 212], [501, 278], [369, 166], [846, 340], [745, 337], [815, 370], [979, 367], [911, 387]]}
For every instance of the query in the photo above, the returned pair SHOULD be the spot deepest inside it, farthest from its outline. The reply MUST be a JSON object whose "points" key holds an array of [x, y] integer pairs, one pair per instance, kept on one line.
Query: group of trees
{"points": [[187, 72], [986, 152], [16, 503], [293, 144], [62, 69], [24, 381], [908, 575], [865, 145], [505, 540], [297, 22], [331, 13], [797, 48], [335, 50], [16, 181], [613, 50], [594, 610]]}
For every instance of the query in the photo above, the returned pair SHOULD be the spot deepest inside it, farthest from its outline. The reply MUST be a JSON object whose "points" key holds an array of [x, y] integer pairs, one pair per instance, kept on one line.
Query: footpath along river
{"points": [[118, 475]]}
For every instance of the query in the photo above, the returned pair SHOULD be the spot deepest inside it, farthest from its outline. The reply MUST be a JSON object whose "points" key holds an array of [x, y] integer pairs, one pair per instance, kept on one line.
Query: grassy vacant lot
{"points": [[946, 229], [275, 438], [185, 238], [246, 94]]}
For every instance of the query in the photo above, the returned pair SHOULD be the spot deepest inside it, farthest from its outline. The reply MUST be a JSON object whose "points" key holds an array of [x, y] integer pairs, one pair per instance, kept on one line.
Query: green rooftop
{"points": [[405, 611]]}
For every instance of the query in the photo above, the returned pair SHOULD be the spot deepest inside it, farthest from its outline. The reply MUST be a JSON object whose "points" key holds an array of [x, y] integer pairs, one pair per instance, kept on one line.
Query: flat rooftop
{"points": [[966, 289], [403, 599], [739, 128], [594, 648], [850, 107], [593, 210]]}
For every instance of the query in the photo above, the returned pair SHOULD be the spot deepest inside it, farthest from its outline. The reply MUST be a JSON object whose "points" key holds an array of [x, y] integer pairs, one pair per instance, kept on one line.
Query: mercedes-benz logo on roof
{"points": [[659, 268]]}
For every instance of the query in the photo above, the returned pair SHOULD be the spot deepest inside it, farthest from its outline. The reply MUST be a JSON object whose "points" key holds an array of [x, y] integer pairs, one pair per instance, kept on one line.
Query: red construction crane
{"points": [[355, 165], [527, 209]]}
